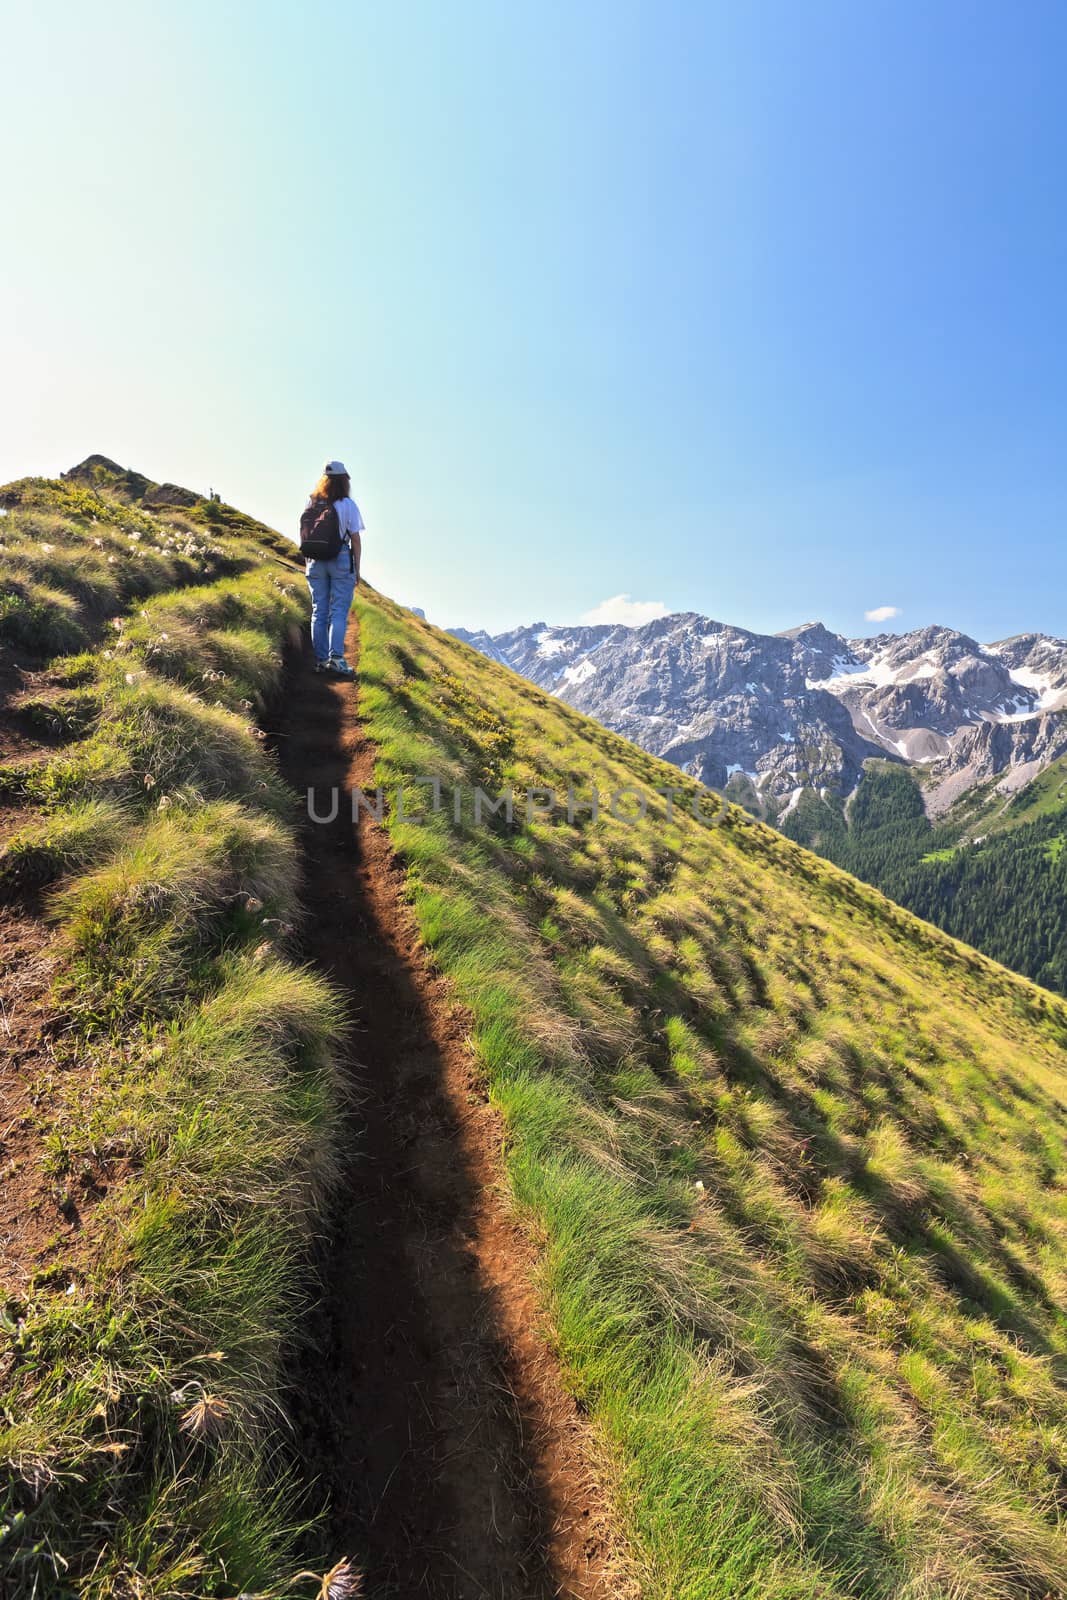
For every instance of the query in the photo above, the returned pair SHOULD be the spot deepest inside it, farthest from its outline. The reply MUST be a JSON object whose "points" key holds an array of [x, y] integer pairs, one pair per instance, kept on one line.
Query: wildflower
{"points": [[164, 802], [253, 904], [149, 781], [206, 1419], [342, 1582], [118, 622]]}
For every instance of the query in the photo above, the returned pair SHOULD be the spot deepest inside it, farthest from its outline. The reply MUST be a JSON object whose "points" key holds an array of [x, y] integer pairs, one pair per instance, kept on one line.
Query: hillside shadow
{"points": [[407, 1405]]}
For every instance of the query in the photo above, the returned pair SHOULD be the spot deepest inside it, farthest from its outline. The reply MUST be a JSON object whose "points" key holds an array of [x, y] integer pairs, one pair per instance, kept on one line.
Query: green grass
{"points": [[187, 1104], [796, 1157], [1043, 796], [53, 844]]}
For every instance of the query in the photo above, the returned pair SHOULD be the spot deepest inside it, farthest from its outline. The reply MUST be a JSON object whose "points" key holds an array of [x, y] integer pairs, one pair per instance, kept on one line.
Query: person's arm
{"points": [[357, 551]]}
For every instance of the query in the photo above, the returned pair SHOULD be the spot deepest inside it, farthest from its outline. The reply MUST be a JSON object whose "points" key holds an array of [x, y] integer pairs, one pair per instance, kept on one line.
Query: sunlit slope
{"points": [[171, 1110], [795, 1156]]}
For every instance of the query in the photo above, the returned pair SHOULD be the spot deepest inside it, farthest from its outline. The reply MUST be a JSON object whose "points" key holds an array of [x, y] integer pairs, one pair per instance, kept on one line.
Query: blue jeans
{"points": [[332, 585]]}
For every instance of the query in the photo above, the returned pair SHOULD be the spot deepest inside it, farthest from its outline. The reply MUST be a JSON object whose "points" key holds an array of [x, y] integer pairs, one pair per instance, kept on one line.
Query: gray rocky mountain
{"points": [[768, 716]]}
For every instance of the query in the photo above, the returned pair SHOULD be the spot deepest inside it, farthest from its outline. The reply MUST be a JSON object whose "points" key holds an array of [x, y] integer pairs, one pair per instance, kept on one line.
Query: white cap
{"points": [[335, 469]]}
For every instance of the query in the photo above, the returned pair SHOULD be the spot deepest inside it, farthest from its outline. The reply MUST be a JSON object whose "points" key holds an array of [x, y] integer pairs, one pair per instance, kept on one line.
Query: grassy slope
{"points": [[796, 1157], [187, 1076]]}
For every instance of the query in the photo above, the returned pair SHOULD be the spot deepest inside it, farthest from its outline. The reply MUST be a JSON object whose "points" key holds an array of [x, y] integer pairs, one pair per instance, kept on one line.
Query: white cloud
{"points": [[882, 613], [620, 608]]}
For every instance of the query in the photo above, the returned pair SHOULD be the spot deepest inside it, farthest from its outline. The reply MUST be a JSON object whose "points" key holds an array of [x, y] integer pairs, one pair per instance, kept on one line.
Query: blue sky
{"points": [[751, 309]]}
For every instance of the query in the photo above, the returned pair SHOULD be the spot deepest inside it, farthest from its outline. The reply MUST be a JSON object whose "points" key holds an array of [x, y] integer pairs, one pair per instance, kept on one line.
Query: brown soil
{"points": [[41, 1215], [34, 1225], [14, 680], [458, 1466]]}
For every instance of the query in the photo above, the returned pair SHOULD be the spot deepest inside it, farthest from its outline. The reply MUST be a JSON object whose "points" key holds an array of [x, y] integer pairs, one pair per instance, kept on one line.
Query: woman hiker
{"points": [[329, 539]]}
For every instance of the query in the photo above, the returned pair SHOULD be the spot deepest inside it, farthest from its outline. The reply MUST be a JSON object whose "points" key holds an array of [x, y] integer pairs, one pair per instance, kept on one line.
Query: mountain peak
{"points": [[814, 636], [100, 472]]}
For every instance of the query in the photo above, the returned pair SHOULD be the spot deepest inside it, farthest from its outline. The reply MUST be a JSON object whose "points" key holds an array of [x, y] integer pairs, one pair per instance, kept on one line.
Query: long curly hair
{"points": [[332, 487]]}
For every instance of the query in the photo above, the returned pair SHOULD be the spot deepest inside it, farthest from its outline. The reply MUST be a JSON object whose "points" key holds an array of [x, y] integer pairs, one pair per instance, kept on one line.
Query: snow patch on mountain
{"points": [[793, 802], [577, 673]]}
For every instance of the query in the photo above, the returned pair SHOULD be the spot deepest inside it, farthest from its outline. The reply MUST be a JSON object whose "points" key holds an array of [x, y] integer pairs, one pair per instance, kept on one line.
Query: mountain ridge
{"points": [[769, 715]]}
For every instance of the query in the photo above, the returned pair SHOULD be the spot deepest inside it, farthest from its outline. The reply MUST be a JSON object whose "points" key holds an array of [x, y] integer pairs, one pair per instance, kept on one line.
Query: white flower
{"points": [[342, 1582]]}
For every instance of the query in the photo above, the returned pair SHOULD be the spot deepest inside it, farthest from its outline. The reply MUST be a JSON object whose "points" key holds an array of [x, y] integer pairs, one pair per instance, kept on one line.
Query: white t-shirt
{"points": [[348, 516]]}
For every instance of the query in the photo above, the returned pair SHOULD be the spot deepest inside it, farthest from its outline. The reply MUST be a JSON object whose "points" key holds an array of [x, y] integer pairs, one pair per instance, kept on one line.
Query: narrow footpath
{"points": [[457, 1464]]}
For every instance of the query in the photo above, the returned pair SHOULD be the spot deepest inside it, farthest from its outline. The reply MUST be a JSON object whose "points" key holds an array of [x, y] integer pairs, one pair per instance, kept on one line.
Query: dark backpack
{"points": [[320, 531]]}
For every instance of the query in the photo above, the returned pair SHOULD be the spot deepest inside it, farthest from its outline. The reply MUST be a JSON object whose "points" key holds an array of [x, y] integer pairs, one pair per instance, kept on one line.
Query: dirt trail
{"points": [[456, 1462], [37, 1225]]}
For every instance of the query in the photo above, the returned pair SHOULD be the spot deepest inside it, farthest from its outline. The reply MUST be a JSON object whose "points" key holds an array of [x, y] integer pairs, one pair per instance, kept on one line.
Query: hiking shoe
{"points": [[339, 667], [322, 666]]}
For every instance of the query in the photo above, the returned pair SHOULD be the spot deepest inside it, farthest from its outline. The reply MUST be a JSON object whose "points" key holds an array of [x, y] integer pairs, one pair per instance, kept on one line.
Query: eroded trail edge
{"points": [[458, 1465]]}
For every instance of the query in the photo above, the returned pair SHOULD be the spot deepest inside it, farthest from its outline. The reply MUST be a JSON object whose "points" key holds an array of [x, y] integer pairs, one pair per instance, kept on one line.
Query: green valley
{"points": [[988, 871]]}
